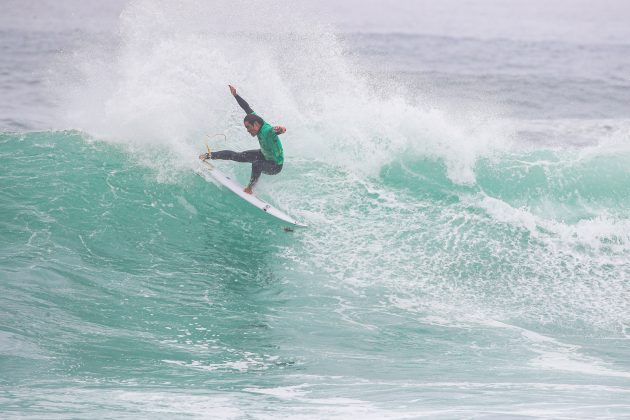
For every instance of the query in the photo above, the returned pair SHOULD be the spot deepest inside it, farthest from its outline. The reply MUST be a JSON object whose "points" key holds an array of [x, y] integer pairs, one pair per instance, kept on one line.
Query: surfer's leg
{"points": [[256, 171], [271, 168], [246, 156], [259, 166]]}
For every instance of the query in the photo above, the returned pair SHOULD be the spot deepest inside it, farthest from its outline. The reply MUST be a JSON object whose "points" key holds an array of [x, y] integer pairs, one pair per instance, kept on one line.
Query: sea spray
{"points": [[165, 86]]}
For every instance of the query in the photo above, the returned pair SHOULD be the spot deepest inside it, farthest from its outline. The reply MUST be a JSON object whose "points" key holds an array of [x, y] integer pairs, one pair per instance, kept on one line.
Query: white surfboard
{"points": [[237, 189]]}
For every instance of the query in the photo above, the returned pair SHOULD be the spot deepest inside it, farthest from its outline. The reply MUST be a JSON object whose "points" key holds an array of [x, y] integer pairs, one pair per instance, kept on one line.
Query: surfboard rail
{"points": [[237, 189]]}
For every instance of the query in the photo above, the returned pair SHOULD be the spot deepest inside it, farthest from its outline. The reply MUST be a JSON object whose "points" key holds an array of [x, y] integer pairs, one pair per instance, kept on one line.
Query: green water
{"points": [[126, 293]]}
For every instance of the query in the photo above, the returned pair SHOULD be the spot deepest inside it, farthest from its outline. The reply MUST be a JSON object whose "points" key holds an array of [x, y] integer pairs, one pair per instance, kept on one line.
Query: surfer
{"points": [[268, 159]]}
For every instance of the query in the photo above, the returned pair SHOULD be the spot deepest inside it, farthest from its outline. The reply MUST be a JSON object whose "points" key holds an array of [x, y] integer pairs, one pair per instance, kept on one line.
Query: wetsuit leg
{"points": [[268, 167], [246, 156], [259, 163]]}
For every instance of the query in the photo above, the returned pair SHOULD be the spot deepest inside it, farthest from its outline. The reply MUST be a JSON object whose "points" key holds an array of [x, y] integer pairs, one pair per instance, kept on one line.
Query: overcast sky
{"points": [[586, 21]]}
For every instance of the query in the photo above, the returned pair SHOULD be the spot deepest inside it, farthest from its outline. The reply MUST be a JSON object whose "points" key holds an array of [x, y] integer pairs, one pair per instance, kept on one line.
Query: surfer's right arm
{"points": [[241, 101]]}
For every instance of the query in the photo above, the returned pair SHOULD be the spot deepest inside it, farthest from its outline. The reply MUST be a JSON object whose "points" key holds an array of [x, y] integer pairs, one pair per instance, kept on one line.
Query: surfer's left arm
{"points": [[241, 102], [278, 129]]}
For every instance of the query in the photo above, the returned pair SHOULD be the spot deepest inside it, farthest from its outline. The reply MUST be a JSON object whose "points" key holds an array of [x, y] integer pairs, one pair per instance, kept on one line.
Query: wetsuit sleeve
{"points": [[244, 105]]}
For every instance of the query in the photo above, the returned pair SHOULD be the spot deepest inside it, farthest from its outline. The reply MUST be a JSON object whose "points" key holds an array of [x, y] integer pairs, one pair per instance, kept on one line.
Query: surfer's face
{"points": [[252, 128]]}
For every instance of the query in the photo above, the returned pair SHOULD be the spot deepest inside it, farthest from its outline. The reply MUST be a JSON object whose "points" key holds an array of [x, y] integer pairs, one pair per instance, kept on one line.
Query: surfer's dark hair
{"points": [[253, 118]]}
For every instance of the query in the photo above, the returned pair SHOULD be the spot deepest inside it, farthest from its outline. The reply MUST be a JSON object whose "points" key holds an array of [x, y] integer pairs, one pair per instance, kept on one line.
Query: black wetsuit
{"points": [[260, 163]]}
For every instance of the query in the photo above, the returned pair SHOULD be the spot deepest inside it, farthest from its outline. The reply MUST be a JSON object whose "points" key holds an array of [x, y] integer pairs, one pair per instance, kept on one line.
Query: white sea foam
{"points": [[164, 86]]}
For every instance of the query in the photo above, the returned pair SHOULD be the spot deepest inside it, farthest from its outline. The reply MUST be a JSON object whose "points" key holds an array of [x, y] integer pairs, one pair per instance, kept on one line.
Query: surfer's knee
{"points": [[272, 168]]}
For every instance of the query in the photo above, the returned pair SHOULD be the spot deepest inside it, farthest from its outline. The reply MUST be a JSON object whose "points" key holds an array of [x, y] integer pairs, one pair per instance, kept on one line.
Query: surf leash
{"points": [[211, 137]]}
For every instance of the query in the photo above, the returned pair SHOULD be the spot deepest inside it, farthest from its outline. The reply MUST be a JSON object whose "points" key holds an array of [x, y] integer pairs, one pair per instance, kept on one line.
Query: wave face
{"points": [[459, 259]]}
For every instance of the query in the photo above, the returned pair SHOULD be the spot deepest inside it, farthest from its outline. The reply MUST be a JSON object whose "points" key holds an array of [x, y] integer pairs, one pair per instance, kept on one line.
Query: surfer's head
{"points": [[253, 123]]}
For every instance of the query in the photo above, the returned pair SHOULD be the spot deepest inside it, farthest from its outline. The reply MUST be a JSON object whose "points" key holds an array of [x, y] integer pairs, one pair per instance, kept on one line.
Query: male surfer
{"points": [[268, 159]]}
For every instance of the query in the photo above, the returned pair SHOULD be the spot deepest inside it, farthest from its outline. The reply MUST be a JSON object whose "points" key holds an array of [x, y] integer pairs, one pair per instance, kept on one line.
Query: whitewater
{"points": [[466, 188]]}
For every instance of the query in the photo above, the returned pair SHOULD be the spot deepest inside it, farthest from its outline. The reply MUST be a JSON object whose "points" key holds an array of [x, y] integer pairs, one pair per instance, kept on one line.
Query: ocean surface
{"points": [[464, 170]]}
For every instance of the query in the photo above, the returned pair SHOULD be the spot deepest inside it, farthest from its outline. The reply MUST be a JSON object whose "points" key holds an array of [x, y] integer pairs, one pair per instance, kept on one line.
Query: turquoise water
{"points": [[468, 203], [125, 295]]}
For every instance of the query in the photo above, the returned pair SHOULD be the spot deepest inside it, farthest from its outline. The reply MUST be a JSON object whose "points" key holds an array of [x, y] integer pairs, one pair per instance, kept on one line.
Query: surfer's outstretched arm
{"points": [[241, 101], [278, 129]]}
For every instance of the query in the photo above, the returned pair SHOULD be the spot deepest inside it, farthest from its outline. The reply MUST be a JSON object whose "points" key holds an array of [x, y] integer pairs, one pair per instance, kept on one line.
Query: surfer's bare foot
{"points": [[248, 190], [204, 156]]}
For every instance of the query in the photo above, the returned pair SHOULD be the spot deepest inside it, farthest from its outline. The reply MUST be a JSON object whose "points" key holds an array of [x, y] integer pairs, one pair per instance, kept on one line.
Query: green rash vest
{"points": [[270, 145]]}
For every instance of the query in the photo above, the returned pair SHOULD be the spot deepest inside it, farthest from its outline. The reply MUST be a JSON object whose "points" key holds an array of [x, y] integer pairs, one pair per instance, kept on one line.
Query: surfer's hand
{"points": [[232, 90], [248, 190], [278, 129]]}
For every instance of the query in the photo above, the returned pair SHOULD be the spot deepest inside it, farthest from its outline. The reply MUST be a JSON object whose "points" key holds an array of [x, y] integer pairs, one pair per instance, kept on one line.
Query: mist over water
{"points": [[165, 83], [467, 196]]}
